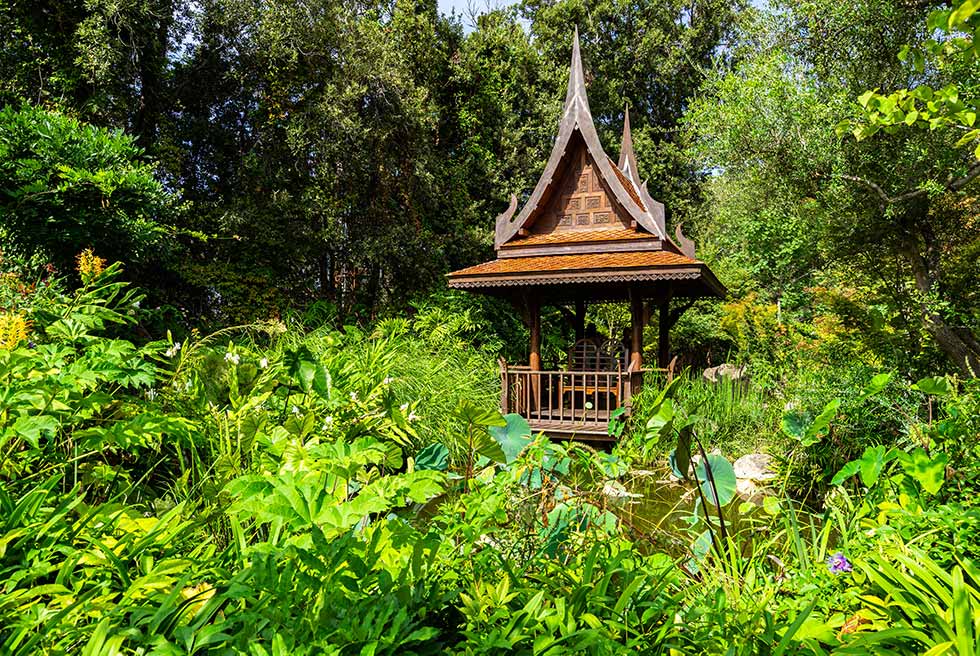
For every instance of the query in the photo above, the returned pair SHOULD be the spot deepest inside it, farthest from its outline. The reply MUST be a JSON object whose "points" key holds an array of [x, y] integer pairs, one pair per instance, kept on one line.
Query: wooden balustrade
{"points": [[567, 402]]}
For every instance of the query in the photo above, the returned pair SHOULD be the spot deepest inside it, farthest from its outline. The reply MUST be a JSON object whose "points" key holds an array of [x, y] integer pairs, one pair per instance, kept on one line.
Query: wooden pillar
{"points": [[663, 341], [534, 314], [636, 324], [579, 319]]}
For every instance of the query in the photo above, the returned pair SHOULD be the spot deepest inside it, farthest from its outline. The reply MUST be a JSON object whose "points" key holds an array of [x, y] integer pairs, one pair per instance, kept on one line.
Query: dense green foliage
{"points": [[260, 490], [67, 187], [281, 439]]}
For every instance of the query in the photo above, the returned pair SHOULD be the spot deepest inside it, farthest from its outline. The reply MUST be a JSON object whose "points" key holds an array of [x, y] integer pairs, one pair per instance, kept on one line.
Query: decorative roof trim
{"points": [[576, 115], [578, 278], [583, 248]]}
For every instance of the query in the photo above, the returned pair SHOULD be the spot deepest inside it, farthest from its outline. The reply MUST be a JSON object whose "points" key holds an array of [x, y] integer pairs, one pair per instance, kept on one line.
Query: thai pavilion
{"points": [[588, 232]]}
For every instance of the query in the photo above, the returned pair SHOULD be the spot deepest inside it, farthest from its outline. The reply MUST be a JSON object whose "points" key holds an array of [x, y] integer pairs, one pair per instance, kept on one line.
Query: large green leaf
{"points": [[474, 414], [869, 466], [723, 476], [513, 436], [808, 433], [934, 385], [680, 457], [877, 384], [302, 366], [486, 446], [821, 424], [31, 428], [434, 457], [928, 472]]}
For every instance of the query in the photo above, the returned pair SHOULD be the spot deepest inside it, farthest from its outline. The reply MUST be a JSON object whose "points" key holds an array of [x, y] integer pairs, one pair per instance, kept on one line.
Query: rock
{"points": [[615, 490], [645, 472], [749, 490], [754, 467], [729, 371]]}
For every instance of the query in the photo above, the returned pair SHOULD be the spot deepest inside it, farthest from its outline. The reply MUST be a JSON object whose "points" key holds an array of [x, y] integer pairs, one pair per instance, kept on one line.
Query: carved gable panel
{"points": [[580, 201]]}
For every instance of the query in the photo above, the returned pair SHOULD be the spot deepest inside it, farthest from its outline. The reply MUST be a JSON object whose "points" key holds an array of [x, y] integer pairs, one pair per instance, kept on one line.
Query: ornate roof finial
{"points": [[686, 245], [627, 158], [576, 76]]}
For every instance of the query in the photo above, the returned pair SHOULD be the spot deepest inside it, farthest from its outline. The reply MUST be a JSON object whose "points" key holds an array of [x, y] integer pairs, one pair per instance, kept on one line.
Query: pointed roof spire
{"points": [[576, 75], [577, 118], [627, 158]]}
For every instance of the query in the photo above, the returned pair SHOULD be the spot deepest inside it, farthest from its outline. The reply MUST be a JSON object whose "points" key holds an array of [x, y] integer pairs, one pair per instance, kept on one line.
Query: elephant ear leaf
{"points": [[930, 473], [821, 424], [513, 436], [680, 457], [934, 385], [717, 479], [808, 433]]}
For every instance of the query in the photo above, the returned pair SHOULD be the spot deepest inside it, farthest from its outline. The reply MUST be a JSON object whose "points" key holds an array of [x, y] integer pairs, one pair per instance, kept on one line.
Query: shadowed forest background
{"points": [[336, 159], [242, 413]]}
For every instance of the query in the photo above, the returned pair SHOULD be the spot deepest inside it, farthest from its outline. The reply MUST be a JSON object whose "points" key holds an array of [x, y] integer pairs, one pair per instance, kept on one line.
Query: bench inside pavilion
{"points": [[588, 232]]}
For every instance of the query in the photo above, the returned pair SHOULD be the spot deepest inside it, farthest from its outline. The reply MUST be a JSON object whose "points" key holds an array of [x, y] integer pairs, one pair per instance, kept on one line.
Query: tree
{"points": [[951, 108], [67, 186], [769, 130]]}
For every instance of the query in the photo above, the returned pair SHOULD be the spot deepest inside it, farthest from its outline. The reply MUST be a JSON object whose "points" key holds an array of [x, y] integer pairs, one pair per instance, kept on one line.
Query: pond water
{"points": [[659, 513], [660, 517]]}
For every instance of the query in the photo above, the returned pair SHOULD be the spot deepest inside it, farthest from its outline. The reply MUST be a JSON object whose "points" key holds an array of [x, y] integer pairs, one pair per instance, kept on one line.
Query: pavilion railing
{"points": [[566, 398]]}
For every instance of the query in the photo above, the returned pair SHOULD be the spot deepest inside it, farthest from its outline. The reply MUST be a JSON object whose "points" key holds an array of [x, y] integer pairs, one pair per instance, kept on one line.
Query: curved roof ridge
{"points": [[576, 115]]}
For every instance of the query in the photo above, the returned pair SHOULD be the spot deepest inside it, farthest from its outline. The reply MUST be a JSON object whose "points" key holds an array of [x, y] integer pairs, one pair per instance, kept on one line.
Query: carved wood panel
{"points": [[581, 201]]}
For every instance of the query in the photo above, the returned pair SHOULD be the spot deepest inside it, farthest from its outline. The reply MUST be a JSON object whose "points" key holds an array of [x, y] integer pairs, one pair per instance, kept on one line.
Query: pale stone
{"points": [[754, 467], [615, 490], [730, 371]]}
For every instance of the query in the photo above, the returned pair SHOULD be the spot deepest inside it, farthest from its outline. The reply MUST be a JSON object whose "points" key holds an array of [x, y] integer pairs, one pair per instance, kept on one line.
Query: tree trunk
{"points": [[958, 343]]}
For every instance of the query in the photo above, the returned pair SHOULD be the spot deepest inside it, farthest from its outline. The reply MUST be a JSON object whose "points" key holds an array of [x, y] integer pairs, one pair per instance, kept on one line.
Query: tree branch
{"points": [[952, 184]]}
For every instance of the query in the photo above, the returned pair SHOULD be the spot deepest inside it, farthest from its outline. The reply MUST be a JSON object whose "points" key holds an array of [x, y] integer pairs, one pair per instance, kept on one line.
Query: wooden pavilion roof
{"points": [[589, 221]]}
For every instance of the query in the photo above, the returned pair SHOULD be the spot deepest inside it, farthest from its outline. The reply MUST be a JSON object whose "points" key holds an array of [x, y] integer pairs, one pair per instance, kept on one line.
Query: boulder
{"points": [[749, 490], [616, 490], [729, 371], [754, 467]]}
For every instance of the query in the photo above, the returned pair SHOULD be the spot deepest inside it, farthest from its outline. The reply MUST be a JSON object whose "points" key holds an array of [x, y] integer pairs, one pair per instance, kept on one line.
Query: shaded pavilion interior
{"points": [[589, 232]]}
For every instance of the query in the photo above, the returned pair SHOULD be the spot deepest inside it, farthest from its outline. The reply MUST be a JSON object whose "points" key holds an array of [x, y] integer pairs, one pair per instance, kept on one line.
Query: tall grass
{"points": [[736, 417]]}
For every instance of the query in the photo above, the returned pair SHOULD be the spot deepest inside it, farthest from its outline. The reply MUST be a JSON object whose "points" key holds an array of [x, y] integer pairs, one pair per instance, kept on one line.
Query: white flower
{"points": [[232, 357], [403, 407], [295, 410], [263, 363], [173, 350], [388, 380], [151, 394], [411, 416], [136, 304], [353, 396], [327, 422]]}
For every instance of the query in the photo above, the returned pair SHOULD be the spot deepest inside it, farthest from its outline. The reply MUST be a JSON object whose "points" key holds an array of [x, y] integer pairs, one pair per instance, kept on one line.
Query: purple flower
{"points": [[839, 564]]}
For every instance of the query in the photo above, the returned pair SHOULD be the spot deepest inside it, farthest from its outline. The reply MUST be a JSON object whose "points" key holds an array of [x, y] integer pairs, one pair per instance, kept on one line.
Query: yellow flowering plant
{"points": [[14, 329]]}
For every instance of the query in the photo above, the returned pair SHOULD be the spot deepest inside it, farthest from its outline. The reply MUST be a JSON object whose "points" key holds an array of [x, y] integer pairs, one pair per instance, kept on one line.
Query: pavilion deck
{"points": [[569, 404]]}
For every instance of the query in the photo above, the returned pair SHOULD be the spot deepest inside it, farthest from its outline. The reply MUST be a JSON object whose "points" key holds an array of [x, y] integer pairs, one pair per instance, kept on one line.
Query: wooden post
{"points": [[504, 387], [579, 319], [663, 341], [534, 314], [534, 359], [636, 324]]}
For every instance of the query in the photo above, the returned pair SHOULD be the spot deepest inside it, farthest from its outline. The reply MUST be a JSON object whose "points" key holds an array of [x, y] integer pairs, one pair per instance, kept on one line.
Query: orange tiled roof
{"points": [[578, 236], [584, 262], [627, 185]]}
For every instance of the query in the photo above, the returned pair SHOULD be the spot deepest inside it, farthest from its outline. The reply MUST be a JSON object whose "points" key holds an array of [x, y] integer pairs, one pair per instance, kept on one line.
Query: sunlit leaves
{"points": [[929, 472], [869, 466], [716, 474], [808, 432], [513, 436]]}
